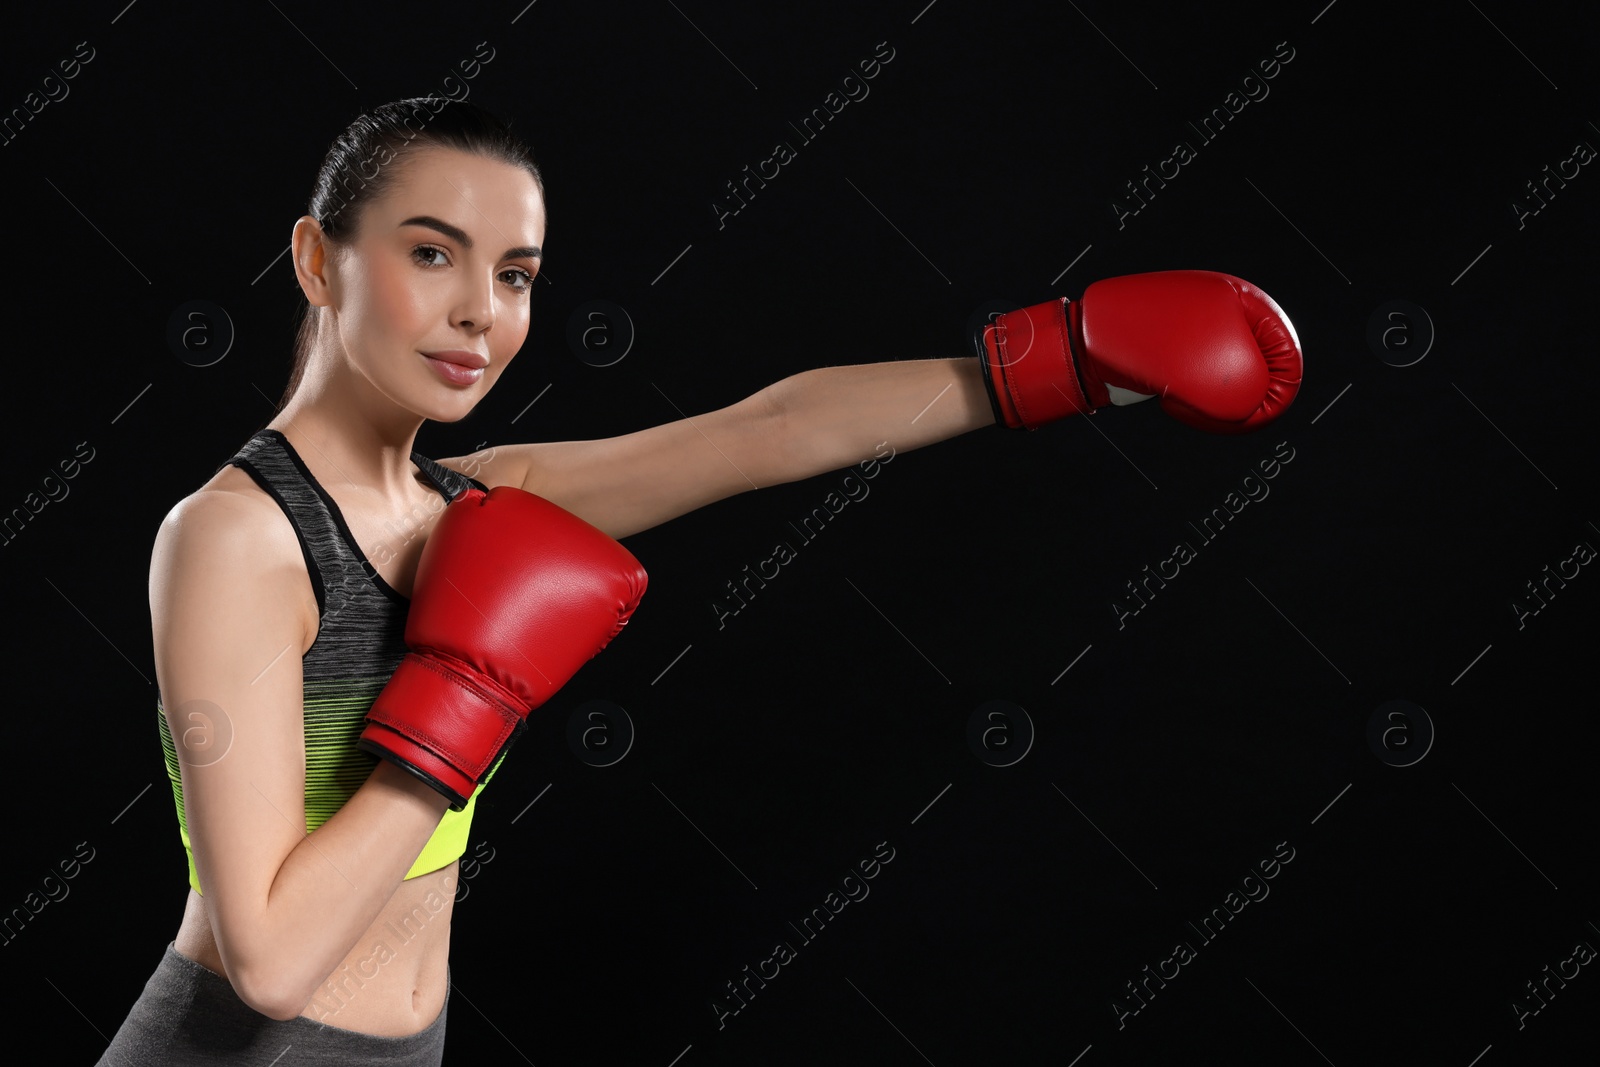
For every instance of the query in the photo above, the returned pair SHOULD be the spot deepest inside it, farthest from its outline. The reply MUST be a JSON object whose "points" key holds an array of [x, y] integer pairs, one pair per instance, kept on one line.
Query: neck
{"points": [[352, 437]]}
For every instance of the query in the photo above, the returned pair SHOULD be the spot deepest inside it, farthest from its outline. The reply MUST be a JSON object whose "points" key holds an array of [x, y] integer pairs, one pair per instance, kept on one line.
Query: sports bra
{"points": [[360, 641]]}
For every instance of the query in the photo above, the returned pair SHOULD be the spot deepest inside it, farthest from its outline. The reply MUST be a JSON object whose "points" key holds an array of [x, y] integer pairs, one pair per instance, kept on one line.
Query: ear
{"points": [[312, 256]]}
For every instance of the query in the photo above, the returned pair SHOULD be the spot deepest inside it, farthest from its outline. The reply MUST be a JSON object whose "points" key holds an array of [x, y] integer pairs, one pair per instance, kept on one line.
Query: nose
{"points": [[475, 308]]}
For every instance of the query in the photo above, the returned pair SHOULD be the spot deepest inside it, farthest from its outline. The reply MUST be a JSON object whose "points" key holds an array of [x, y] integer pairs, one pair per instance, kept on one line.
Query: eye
{"points": [[527, 285], [427, 250]]}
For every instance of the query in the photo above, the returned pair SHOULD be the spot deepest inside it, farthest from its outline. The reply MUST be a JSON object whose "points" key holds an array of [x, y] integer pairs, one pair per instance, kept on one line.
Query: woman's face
{"points": [[438, 280]]}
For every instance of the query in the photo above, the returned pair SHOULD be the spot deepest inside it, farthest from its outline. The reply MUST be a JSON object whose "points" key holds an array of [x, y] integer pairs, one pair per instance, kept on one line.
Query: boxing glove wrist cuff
{"points": [[440, 724], [1033, 366], [988, 382], [399, 750]]}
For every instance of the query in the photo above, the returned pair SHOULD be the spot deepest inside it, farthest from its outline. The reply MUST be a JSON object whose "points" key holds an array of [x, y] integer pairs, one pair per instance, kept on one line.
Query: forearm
{"points": [[831, 417], [333, 885]]}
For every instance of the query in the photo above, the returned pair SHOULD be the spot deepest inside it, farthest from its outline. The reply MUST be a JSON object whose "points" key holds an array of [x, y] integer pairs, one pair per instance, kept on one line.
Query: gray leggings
{"points": [[189, 1015]]}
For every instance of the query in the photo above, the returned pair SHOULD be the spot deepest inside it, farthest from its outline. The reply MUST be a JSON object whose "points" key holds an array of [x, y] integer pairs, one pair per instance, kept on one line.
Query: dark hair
{"points": [[362, 163]]}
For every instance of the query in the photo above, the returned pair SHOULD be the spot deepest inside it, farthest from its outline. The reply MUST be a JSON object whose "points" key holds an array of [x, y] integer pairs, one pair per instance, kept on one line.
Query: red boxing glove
{"points": [[512, 595], [1218, 351]]}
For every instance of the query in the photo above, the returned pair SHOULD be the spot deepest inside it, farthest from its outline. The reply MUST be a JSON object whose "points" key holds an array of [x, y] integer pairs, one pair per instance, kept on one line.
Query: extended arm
{"points": [[809, 423]]}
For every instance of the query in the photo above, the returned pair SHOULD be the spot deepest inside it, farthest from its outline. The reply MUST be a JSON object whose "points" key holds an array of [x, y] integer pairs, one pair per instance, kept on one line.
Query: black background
{"points": [[1229, 716]]}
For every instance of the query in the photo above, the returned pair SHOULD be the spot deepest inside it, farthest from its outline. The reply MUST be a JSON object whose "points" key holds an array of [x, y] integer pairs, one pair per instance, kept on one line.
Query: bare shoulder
{"points": [[230, 514], [224, 537]]}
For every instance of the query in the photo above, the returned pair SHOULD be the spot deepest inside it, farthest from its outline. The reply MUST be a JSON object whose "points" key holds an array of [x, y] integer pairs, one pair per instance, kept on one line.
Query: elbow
{"points": [[269, 973], [778, 436], [272, 990], [280, 1012]]}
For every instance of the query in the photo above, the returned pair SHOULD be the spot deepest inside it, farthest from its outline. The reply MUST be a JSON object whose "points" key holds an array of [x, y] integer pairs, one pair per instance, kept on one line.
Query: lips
{"points": [[461, 358], [463, 373]]}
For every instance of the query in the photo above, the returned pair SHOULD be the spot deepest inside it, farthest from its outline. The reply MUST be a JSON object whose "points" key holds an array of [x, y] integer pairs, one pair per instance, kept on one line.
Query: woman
{"points": [[322, 877]]}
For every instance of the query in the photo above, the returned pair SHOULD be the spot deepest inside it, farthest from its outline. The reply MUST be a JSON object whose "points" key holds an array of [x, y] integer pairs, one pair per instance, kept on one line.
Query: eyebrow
{"points": [[458, 235]]}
